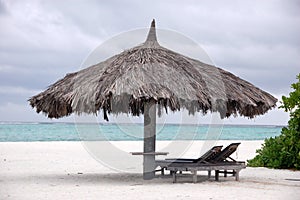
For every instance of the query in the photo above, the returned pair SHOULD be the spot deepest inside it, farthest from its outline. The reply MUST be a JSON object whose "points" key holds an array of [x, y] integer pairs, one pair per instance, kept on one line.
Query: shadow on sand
{"points": [[96, 178]]}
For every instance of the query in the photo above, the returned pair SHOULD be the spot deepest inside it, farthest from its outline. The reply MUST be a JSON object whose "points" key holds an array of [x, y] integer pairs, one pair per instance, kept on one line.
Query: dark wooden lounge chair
{"points": [[218, 162], [204, 158], [224, 158]]}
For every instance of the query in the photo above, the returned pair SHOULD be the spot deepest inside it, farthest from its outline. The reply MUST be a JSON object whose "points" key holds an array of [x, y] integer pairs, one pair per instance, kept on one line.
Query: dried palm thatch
{"points": [[125, 82]]}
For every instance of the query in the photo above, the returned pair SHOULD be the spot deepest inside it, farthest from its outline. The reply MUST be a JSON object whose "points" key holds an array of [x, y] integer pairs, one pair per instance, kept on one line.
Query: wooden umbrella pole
{"points": [[149, 139]]}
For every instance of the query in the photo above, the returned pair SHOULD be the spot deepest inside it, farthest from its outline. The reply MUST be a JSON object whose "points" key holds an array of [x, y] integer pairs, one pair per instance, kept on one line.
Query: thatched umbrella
{"points": [[138, 79]]}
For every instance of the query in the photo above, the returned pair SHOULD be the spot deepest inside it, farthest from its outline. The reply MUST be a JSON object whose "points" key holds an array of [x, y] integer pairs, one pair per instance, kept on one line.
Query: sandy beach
{"points": [[65, 170]]}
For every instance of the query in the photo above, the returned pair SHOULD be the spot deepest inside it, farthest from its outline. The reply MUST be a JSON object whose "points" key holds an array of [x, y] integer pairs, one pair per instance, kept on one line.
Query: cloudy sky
{"points": [[41, 41]]}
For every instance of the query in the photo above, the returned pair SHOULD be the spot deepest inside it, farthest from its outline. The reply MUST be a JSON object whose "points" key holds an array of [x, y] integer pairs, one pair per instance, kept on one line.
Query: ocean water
{"points": [[28, 132]]}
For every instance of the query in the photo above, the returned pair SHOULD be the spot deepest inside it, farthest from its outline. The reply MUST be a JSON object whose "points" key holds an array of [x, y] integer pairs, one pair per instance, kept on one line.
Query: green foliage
{"points": [[283, 151]]}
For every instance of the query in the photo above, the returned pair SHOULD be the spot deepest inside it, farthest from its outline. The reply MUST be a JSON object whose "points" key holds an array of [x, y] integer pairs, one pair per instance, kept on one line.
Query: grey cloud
{"points": [[3, 10], [43, 40]]}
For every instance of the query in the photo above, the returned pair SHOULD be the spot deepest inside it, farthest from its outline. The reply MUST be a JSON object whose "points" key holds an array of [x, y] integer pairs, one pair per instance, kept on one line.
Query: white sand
{"points": [[65, 170]]}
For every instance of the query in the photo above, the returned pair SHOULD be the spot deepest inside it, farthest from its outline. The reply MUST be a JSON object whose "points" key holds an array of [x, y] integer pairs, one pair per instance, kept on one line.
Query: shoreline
{"points": [[42, 170]]}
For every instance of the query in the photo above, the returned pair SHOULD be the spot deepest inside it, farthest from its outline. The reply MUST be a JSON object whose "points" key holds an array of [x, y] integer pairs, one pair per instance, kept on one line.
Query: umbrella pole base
{"points": [[148, 175], [149, 167]]}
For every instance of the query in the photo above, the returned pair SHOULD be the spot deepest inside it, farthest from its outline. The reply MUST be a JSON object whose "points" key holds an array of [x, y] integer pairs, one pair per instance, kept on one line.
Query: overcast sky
{"points": [[41, 41]]}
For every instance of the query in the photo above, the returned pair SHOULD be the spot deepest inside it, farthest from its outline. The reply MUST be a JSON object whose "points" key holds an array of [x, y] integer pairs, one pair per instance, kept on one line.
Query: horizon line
{"points": [[140, 123]]}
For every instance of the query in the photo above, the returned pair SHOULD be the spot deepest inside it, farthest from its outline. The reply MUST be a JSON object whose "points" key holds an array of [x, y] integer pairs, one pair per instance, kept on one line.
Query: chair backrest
{"points": [[209, 154], [225, 153]]}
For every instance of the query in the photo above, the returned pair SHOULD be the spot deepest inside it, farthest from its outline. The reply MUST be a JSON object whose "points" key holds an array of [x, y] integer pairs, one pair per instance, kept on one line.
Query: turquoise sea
{"points": [[28, 132]]}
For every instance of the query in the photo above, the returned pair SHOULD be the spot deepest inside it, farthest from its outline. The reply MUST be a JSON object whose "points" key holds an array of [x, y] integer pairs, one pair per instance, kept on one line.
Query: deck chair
{"points": [[204, 158], [217, 162], [225, 154], [223, 158]]}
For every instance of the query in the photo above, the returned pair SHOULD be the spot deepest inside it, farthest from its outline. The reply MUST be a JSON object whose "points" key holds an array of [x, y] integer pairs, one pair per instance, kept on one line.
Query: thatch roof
{"points": [[124, 82]]}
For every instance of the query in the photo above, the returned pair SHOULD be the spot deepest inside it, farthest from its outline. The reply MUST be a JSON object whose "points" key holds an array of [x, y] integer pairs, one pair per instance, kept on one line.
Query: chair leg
{"points": [[163, 171], [233, 172], [225, 173], [217, 175], [209, 174], [237, 175], [174, 176], [195, 176]]}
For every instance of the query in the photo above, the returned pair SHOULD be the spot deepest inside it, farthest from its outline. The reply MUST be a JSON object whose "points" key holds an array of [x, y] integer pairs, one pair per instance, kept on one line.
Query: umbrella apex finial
{"points": [[153, 23], [152, 33]]}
